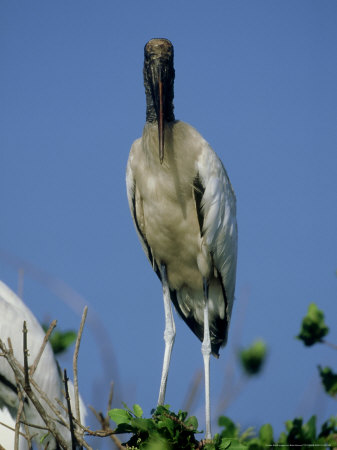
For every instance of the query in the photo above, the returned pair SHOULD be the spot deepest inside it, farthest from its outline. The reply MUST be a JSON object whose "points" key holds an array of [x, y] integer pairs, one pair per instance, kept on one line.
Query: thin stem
{"points": [[17, 425], [25, 356], [43, 346], [111, 393], [70, 416], [75, 358], [107, 431], [30, 393]]}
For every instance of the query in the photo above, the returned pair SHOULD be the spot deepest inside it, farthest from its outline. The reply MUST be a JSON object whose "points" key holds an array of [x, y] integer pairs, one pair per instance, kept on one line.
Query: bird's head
{"points": [[158, 82]]}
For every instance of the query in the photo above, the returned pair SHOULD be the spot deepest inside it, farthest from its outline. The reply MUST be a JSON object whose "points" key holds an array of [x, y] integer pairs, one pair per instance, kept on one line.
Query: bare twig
{"points": [[10, 346], [107, 431], [42, 394], [96, 414], [111, 393], [33, 425], [75, 358], [23, 375], [10, 428], [28, 435], [43, 346], [100, 433], [25, 356], [51, 405], [30, 393], [70, 415], [17, 425], [20, 408]]}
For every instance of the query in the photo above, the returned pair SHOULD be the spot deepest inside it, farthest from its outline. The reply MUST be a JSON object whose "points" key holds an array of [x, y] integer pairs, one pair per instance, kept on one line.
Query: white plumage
{"points": [[47, 375]]}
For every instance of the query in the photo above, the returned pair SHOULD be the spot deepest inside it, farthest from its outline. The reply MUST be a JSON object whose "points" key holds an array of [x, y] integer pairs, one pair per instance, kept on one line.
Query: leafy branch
{"points": [[313, 330]]}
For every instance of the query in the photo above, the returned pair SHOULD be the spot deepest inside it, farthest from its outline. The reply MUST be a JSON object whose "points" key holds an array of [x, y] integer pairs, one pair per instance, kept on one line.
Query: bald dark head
{"points": [[159, 48]]}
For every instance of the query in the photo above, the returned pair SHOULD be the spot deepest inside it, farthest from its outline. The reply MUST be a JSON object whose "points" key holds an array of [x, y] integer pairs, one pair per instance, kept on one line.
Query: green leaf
{"points": [[313, 328], [266, 434], [225, 443], [182, 415], [282, 439], [255, 444], [299, 434], [161, 410], [329, 427], [329, 380], [310, 429], [137, 410], [235, 444], [192, 422], [127, 408], [247, 434], [119, 416], [230, 429], [253, 358], [157, 443], [143, 424], [167, 424]]}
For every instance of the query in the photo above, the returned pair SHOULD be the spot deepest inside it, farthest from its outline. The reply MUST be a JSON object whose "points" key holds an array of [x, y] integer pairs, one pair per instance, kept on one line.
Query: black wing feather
{"points": [[198, 190]]}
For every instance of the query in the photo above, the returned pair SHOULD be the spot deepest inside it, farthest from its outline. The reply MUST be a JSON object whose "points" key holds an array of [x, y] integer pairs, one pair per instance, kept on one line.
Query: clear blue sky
{"points": [[258, 80]]}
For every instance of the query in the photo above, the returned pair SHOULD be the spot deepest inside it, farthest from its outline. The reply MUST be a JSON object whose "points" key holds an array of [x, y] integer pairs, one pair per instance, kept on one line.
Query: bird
{"points": [[13, 311], [184, 210]]}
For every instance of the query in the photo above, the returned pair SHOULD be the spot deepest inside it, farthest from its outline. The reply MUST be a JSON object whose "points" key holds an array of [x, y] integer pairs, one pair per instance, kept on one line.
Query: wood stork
{"points": [[13, 312], [184, 210]]}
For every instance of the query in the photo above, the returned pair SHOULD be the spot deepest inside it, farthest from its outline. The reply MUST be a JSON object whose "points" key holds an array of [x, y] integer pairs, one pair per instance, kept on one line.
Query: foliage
{"points": [[329, 380], [296, 434], [253, 358], [164, 430], [61, 340], [313, 328], [312, 331]]}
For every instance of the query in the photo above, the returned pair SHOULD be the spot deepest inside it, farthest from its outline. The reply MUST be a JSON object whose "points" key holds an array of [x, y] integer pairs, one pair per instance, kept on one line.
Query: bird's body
{"points": [[13, 312], [184, 210], [164, 202]]}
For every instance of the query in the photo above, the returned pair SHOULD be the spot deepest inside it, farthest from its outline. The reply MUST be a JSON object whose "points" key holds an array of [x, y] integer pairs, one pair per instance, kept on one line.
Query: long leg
{"points": [[169, 334], [206, 352]]}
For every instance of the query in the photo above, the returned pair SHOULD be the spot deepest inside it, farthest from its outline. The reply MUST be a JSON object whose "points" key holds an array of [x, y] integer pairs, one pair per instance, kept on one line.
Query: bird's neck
{"points": [[151, 114]]}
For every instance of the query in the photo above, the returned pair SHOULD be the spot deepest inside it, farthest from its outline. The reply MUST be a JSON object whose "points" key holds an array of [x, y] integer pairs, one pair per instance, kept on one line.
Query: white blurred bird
{"points": [[47, 375], [184, 210]]}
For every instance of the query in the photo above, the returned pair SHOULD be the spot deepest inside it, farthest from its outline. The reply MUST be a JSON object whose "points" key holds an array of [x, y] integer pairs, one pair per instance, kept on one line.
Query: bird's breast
{"points": [[170, 221], [172, 231]]}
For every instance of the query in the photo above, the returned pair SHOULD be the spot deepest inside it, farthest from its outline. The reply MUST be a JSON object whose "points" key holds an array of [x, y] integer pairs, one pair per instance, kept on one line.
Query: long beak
{"points": [[161, 123]]}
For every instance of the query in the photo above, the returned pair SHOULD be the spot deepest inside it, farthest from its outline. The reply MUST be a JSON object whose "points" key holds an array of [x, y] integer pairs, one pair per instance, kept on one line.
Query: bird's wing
{"points": [[136, 206], [7, 435], [217, 211], [13, 312]]}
